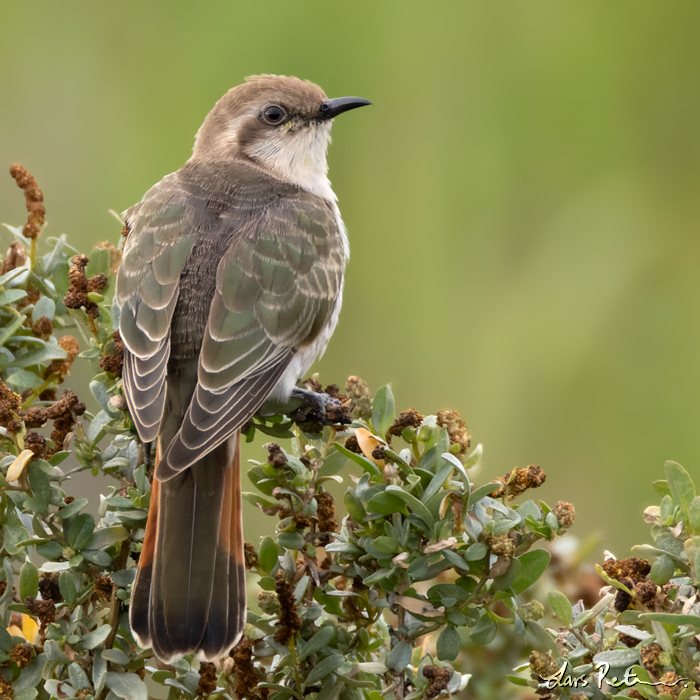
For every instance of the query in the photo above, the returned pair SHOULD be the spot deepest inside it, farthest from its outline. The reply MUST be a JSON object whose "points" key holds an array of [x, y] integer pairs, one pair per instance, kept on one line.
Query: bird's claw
{"points": [[318, 410]]}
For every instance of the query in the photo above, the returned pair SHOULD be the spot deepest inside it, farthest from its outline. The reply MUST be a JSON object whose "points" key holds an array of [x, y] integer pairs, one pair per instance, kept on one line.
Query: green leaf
{"points": [[319, 641], [80, 530], [45, 306], [480, 491], [447, 594], [332, 464], [61, 281], [436, 483], [66, 585], [476, 551], [97, 557], [99, 262], [127, 686], [533, 566], [106, 536], [484, 630], [10, 296], [672, 619], [448, 644], [416, 506], [49, 550], [72, 509], [399, 656], [268, 554], [9, 330], [386, 504], [77, 676], [323, 669], [291, 540], [96, 637], [116, 656], [367, 465], [99, 671], [28, 581], [662, 570], [561, 606], [26, 694], [354, 506], [694, 516], [383, 410], [22, 379], [681, 486], [48, 351]]}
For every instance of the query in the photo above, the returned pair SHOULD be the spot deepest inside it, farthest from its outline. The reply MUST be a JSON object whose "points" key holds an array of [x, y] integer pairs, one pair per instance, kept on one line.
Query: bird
{"points": [[230, 286]]}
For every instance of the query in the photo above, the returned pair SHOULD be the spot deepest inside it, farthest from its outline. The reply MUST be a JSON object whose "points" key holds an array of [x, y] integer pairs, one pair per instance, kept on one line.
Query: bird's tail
{"points": [[189, 593]]}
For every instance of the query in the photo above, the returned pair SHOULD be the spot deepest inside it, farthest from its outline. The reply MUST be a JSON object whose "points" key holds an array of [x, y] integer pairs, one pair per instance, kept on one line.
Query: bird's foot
{"points": [[318, 410]]}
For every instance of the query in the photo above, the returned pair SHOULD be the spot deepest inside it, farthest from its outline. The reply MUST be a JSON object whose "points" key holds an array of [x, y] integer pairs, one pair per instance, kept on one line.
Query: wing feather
{"points": [[273, 297], [160, 240]]}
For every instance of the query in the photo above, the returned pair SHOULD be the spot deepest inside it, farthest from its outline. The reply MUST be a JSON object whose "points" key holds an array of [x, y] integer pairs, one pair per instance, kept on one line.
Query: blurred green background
{"points": [[522, 200]]}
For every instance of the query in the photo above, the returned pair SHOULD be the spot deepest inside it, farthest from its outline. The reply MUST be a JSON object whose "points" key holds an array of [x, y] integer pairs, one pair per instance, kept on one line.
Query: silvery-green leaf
{"points": [[96, 637], [50, 567], [116, 656], [21, 379], [127, 686], [11, 296], [319, 641], [448, 644], [383, 410], [45, 306]]}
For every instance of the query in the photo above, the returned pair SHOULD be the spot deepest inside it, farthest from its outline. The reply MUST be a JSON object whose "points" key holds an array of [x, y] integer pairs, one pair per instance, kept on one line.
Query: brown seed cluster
{"points": [[456, 429], [517, 481], [326, 512], [103, 588], [15, 257], [438, 677], [49, 589], [542, 665], [6, 692], [64, 414], [565, 514], [114, 362], [634, 568], [250, 556], [501, 545], [35, 200], [21, 654], [77, 295], [352, 444], [289, 620], [246, 680], [10, 405], [651, 655], [360, 398], [45, 610], [408, 419], [36, 443], [62, 367], [276, 456], [207, 679], [673, 683], [43, 327]]}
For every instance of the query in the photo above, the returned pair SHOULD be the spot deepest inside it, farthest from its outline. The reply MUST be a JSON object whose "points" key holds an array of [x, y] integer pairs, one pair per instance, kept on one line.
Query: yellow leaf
{"points": [[17, 467], [30, 630], [368, 443]]}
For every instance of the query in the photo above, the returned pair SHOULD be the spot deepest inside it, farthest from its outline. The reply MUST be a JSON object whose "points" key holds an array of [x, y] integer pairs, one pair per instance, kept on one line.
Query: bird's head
{"points": [[280, 123]]}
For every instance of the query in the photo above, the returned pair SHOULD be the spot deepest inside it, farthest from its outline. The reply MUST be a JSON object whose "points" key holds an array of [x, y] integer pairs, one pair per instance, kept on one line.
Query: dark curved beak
{"points": [[332, 108]]}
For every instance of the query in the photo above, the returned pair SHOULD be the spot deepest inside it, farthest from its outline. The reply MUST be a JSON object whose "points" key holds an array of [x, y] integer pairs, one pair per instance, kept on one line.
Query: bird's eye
{"points": [[274, 115]]}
